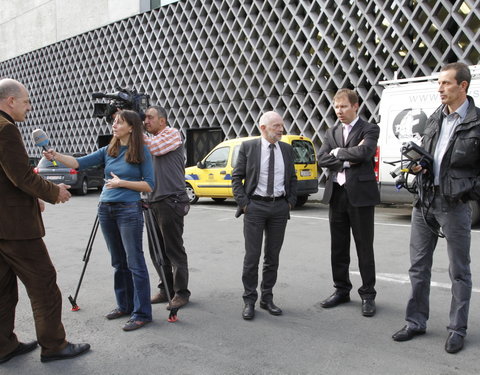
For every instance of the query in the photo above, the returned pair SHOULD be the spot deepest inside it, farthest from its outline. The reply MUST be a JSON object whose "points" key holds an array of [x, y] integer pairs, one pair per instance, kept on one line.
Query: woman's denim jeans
{"points": [[122, 227]]}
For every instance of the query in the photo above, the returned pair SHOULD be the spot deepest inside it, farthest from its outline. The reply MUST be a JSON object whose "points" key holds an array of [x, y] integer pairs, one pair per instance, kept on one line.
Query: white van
{"points": [[404, 108]]}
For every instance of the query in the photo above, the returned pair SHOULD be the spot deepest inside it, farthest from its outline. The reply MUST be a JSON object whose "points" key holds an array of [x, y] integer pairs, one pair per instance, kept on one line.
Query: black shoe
{"points": [[248, 312], [368, 307], [334, 300], [19, 350], [454, 343], [270, 306], [406, 334], [70, 351]]}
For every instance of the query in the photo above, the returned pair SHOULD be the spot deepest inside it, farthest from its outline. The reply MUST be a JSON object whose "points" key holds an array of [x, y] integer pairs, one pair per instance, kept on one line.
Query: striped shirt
{"points": [[167, 140]]}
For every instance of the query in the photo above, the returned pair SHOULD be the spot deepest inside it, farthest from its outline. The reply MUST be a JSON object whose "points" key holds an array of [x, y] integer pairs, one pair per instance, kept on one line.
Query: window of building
{"points": [[159, 3]]}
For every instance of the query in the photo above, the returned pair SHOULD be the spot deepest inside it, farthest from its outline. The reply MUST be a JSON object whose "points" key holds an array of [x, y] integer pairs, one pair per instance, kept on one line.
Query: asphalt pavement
{"points": [[212, 338]]}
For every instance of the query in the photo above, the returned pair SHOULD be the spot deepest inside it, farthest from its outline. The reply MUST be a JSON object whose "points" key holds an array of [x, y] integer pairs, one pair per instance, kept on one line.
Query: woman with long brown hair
{"points": [[128, 171]]}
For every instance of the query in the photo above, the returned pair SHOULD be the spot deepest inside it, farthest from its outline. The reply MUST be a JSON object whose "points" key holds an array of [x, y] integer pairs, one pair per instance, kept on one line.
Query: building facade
{"points": [[221, 63]]}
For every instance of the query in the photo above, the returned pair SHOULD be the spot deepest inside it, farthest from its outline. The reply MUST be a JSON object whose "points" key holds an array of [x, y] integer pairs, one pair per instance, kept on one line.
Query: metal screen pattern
{"points": [[222, 63]]}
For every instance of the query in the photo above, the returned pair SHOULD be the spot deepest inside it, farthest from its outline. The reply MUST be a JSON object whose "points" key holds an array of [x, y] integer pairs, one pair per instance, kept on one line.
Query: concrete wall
{"points": [[26, 25]]}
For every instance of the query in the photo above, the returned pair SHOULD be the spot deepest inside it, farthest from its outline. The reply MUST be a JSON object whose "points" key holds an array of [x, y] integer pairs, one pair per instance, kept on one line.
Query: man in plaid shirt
{"points": [[169, 202]]}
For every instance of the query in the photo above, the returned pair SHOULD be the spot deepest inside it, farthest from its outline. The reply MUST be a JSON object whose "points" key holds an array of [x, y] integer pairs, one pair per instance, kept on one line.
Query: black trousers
{"points": [[170, 230], [269, 219], [360, 220]]}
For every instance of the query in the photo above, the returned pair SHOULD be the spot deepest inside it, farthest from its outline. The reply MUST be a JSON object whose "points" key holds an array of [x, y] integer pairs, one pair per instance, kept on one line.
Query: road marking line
{"points": [[404, 279], [315, 218]]}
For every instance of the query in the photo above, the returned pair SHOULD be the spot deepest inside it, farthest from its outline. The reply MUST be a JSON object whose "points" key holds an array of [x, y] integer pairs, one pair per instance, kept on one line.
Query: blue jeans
{"points": [[122, 227]]}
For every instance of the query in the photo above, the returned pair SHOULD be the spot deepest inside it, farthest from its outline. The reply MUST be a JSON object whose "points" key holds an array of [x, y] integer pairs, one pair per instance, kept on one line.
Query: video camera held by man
{"points": [[121, 99], [415, 153], [412, 155]]}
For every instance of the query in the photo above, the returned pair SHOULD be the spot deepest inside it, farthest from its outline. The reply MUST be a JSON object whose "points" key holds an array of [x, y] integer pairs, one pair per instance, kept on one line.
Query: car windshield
{"points": [[218, 158], [303, 152], [44, 163]]}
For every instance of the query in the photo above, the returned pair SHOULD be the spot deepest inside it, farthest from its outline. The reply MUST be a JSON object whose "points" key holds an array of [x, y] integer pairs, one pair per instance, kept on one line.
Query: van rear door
{"points": [[404, 110]]}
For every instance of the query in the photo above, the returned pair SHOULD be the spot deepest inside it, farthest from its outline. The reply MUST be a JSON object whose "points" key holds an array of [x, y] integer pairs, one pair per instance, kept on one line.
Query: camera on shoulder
{"points": [[121, 99]]}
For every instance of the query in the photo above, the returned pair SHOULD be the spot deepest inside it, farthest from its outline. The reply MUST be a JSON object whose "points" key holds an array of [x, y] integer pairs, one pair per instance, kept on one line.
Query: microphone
{"points": [[41, 140]]}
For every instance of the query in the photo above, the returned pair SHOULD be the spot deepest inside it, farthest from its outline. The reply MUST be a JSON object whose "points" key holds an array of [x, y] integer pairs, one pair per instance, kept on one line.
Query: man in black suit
{"points": [[348, 152], [265, 187]]}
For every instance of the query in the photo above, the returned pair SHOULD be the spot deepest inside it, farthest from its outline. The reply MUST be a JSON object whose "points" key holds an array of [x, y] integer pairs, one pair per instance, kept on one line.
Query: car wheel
{"points": [[219, 200], [301, 200], [192, 197], [83, 187]]}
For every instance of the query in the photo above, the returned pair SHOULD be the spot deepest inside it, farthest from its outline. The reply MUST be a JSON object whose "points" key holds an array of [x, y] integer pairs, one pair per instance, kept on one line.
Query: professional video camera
{"points": [[121, 99], [412, 154], [415, 153]]}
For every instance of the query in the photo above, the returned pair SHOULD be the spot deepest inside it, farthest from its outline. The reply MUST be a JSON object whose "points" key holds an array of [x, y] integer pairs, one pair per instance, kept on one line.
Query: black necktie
{"points": [[271, 170]]}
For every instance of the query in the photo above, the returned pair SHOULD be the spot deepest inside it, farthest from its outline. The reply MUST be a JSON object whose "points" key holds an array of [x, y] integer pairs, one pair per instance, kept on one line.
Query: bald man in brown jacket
{"points": [[23, 254]]}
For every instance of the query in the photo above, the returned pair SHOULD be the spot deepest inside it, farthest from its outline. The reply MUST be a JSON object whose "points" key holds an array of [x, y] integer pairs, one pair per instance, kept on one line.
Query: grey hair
{"points": [[10, 87], [267, 117], [161, 112]]}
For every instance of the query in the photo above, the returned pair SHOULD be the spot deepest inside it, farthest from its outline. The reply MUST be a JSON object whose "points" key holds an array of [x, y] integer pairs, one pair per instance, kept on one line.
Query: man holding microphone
{"points": [[23, 254]]}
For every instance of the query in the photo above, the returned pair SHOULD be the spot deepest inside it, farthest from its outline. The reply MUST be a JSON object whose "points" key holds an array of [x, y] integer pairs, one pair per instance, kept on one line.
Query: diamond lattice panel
{"points": [[223, 63]]}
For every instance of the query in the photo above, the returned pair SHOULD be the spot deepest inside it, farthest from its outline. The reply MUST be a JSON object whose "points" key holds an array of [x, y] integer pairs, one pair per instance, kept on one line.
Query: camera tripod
{"points": [[155, 251]]}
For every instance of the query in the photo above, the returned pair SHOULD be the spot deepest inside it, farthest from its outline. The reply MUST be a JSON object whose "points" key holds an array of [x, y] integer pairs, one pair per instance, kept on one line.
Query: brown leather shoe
{"points": [[160, 297], [177, 302]]}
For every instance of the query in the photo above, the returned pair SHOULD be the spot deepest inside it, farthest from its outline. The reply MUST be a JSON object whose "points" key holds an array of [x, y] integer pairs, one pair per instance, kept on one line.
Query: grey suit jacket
{"points": [[361, 184], [247, 170]]}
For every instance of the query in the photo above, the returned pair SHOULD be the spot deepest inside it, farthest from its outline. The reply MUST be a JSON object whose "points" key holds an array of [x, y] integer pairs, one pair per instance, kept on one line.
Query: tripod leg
{"points": [[159, 263], [86, 258]]}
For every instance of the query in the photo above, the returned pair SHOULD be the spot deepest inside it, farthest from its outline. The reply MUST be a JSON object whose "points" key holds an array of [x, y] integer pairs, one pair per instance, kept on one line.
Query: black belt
{"points": [[266, 199], [116, 203]]}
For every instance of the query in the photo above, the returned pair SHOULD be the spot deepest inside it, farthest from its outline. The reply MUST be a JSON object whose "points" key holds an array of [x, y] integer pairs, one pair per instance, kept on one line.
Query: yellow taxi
{"points": [[212, 177]]}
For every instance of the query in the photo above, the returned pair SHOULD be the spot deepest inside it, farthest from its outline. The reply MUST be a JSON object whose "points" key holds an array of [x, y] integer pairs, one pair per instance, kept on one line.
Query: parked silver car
{"points": [[80, 181]]}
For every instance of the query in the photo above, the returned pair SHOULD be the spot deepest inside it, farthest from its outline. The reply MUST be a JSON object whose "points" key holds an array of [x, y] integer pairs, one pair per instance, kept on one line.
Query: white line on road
{"points": [[316, 218], [404, 279]]}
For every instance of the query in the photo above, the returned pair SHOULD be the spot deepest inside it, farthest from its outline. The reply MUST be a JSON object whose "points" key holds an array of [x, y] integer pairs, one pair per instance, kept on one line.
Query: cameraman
{"points": [[452, 136], [169, 202]]}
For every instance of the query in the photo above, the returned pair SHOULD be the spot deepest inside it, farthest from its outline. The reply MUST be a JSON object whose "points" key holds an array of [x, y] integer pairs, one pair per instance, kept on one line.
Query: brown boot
{"points": [[160, 297], [177, 302]]}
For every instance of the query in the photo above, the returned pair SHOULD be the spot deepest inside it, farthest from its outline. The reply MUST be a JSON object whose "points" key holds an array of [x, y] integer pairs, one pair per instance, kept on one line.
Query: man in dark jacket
{"points": [[452, 137], [265, 188], [23, 254], [351, 190]]}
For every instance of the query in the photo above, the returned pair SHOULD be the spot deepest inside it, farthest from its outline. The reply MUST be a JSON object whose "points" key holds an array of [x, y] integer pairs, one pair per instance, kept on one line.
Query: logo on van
{"points": [[409, 124]]}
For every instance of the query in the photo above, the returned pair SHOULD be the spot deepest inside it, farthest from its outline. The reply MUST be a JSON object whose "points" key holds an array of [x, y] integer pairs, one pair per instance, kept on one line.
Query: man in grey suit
{"points": [[265, 187], [348, 152]]}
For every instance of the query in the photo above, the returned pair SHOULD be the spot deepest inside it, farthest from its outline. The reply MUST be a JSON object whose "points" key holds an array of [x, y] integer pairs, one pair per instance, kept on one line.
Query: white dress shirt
{"points": [[279, 176]]}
